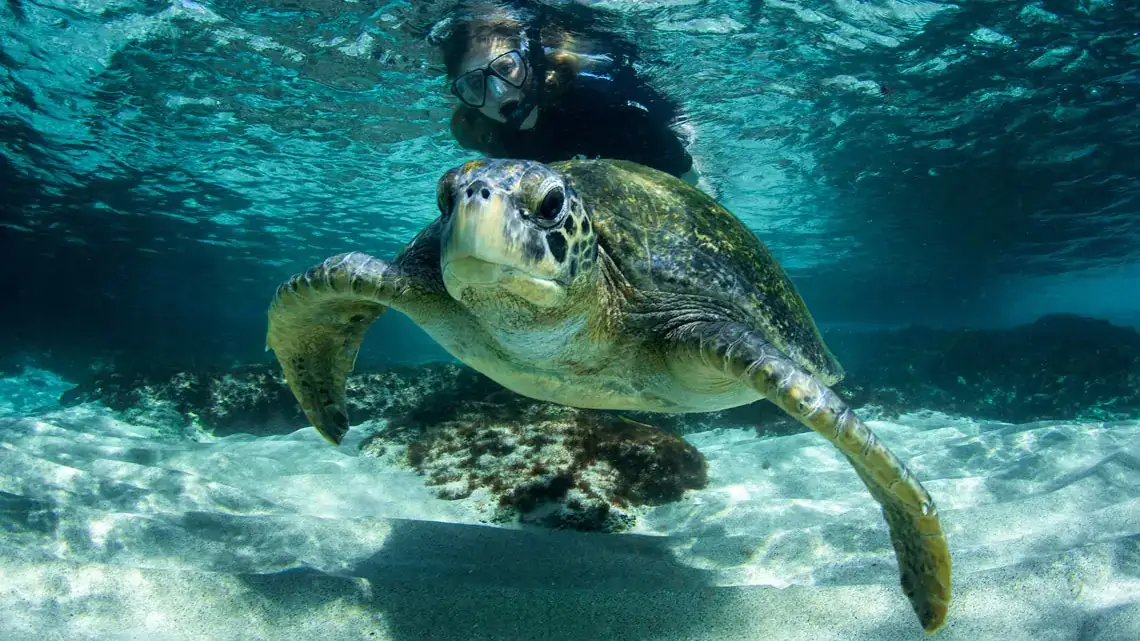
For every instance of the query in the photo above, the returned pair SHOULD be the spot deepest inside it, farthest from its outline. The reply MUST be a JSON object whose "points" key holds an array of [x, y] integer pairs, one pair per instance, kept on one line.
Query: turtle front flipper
{"points": [[317, 321], [742, 353]]}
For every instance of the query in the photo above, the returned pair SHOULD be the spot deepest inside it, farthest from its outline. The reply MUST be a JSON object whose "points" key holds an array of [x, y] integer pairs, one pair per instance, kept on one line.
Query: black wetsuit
{"points": [[613, 116]]}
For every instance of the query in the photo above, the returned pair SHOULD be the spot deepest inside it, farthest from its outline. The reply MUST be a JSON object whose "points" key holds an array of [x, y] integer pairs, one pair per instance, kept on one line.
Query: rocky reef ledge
{"points": [[517, 458], [513, 458], [1061, 367]]}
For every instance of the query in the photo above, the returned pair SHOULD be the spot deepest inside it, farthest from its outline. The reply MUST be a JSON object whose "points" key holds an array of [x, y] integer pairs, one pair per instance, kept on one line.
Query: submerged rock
{"points": [[1058, 368], [254, 399], [1061, 367], [251, 399], [519, 458], [544, 464], [540, 463]]}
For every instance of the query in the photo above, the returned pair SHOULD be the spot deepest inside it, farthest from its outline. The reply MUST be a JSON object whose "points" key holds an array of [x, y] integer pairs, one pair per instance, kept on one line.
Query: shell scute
{"points": [[666, 235]]}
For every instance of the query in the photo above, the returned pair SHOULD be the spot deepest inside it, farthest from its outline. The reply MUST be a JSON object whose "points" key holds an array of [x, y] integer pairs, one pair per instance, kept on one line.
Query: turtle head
{"points": [[514, 229]]}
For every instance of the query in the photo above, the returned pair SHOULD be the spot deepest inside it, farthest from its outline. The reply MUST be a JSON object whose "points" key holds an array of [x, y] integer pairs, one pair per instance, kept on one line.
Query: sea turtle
{"points": [[609, 285]]}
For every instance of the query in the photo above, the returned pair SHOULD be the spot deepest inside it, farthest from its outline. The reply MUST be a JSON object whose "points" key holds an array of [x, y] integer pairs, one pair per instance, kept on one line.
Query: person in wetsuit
{"points": [[529, 87]]}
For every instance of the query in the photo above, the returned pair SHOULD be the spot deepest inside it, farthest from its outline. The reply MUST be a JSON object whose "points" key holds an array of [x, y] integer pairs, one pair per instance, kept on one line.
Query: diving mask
{"points": [[471, 87]]}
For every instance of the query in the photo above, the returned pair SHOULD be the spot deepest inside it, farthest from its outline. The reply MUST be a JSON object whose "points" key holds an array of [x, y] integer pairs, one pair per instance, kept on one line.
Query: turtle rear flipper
{"points": [[317, 322], [920, 546]]}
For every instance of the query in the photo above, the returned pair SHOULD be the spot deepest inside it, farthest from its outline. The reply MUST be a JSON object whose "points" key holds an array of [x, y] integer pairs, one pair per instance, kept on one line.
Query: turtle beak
{"points": [[484, 246], [475, 250]]}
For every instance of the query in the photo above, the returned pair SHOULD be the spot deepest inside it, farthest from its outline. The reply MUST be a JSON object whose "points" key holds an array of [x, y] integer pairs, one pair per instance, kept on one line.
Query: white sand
{"points": [[107, 532]]}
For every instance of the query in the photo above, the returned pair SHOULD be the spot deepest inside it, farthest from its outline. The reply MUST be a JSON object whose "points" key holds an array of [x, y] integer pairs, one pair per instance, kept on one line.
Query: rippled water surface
{"points": [[906, 161], [164, 165]]}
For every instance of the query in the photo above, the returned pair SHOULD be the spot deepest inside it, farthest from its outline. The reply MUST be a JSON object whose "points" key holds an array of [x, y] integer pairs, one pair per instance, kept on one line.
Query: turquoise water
{"points": [[951, 186], [906, 161]]}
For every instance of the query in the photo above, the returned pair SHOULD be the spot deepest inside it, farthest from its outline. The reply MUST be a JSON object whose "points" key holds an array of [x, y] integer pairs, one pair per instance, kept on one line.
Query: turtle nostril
{"points": [[478, 187]]}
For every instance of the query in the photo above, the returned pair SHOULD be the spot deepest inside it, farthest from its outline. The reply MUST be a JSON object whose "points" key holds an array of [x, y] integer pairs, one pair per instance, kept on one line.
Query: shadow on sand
{"points": [[447, 581]]}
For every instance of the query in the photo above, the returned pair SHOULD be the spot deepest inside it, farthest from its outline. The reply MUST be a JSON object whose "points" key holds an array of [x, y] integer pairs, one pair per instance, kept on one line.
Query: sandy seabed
{"points": [[110, 530]]}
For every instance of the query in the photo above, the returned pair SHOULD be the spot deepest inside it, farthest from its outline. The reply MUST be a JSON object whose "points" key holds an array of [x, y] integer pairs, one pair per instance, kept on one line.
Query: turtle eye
{"points": [[552, 204]]}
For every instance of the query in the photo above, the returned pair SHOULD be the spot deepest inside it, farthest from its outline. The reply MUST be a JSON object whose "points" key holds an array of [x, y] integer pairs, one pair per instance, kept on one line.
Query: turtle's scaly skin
{"points": [[665, 235], [325, 336], [608, 285]]}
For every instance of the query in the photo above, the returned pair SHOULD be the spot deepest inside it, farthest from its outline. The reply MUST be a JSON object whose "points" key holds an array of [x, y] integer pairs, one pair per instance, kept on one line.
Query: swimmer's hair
{"points": [[571, 31], [562, 69], [479, 24]]}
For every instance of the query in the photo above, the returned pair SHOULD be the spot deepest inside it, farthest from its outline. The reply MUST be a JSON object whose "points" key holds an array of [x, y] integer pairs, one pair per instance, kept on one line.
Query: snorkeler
{"points": [[531, 86]]}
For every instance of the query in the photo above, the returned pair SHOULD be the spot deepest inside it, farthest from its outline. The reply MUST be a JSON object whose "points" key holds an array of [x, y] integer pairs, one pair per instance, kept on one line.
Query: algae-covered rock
{"points": [[252, 399], [541, 463], [1058, 368], [536, 461], [255, 399], [1061, 367]]}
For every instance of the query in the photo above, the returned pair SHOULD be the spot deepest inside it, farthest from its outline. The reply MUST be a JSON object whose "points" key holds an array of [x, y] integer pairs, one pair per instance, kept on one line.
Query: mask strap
{"points": [[536, 59]]}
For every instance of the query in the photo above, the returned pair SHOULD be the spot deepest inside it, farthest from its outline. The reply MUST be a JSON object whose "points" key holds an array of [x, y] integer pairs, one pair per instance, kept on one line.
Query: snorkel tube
{"points": [[536, 59]]}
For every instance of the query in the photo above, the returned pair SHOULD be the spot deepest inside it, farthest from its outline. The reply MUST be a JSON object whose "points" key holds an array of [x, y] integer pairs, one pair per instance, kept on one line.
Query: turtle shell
{"points": [[666, 235]]}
